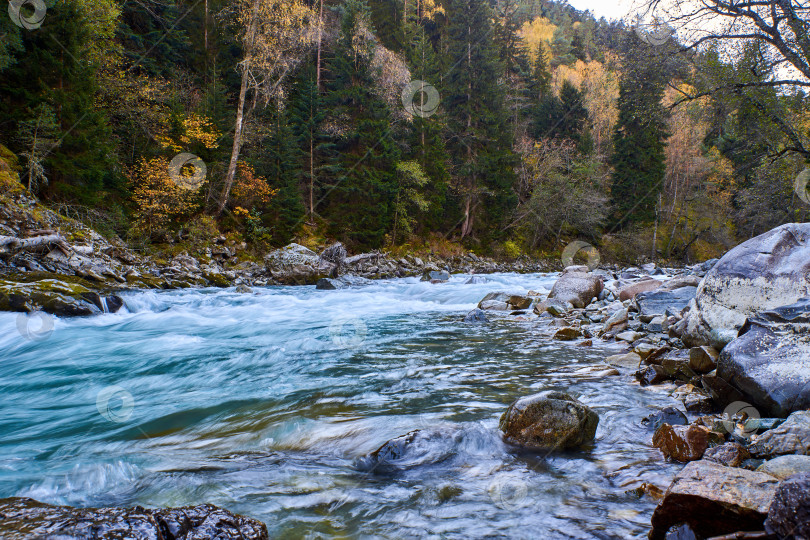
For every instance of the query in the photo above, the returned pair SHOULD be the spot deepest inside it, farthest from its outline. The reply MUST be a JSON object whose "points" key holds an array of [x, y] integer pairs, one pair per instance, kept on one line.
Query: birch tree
{"points": [[274, 34]]}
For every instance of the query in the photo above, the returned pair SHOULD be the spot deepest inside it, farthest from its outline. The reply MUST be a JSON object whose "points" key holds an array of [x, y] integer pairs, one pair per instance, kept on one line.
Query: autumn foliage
{"points": [[158, 199]]}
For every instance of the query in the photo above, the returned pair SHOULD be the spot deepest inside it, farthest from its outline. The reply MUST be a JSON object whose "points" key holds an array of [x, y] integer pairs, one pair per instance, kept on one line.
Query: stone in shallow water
{"points": [[419, 447], [24, 518], [578, 288], [684, 443], [714, 500], [476, 316], [667, 415], [549, 421], [628, 360]]}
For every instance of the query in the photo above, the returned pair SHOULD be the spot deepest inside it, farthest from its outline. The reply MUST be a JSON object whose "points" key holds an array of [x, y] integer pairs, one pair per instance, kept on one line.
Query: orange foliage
{"points": [[250, 191]]}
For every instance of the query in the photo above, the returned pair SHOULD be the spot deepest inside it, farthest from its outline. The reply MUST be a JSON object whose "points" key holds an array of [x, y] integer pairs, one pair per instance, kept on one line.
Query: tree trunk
{"points": [[311, 180], [240, 111], [320, 39], [237, 143]]}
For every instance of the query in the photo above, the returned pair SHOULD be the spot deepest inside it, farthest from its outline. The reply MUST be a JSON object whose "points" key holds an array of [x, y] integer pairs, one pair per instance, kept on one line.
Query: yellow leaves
{"points": [[538, 35], [195, 129], [157, 197], [250, 190]]}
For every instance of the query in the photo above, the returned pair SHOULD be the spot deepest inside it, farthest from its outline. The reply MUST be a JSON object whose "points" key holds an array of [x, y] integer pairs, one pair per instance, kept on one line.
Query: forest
{"points": [[505, 127]]}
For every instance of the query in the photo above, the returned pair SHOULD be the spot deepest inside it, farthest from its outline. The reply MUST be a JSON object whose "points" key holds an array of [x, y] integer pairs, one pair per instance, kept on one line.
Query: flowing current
{"points": [[262, 403]]}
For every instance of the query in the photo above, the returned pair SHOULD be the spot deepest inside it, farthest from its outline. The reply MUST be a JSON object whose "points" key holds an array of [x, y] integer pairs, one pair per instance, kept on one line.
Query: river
{"points": [[261, 403]]}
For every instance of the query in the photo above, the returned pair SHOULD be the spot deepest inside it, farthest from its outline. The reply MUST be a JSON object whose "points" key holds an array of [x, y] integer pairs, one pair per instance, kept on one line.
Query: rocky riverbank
{"points": [[57, 265]]}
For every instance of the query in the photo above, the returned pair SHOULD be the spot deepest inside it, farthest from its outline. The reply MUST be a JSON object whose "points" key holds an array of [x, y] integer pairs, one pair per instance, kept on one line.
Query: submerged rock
{"points": [[419, 447], [789, 513], [763, 273], [24, 518], [667, 415], [549, 421], [578, 288], [476, 316], [714, 500], [768, 362]]}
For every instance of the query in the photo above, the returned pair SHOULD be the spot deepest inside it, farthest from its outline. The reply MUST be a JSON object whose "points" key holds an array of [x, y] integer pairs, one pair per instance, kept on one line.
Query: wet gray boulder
{"points": [[578, 288], [658, 303], [768, 362], [667, 415], [435, 276], [789, 513], [763, 273], [329, 284], [549, 421], [297, 265], [24, 518]]}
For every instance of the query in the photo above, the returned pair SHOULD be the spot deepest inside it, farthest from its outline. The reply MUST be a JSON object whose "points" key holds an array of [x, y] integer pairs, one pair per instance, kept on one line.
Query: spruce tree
{"points": [[478, 135], [639, 141]]}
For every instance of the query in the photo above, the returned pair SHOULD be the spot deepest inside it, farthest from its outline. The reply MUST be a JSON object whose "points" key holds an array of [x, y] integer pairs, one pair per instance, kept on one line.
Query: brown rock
{"points": [[549, 421], [578, 288], [629, 292], [568, 334], [703, 359], [714, 500], [683, 443]]}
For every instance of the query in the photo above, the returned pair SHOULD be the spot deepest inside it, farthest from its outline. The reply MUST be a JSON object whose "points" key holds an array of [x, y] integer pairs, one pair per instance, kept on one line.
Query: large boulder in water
{"points": [[297, 265], [23, 518], [768, 362], [549, 421], [765, 272], [578, 288], [713, 500]]}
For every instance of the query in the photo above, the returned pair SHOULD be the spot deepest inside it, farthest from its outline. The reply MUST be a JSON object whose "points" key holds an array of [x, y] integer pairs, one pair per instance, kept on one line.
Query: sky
{"points": [[610, 9]]}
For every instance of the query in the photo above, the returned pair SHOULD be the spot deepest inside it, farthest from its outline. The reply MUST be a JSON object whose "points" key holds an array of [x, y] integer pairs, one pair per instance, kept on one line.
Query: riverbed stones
{"points": [[768, 362], [652, 374], [548, 421], [684, 443], [766, 272], [436, 276], [617, 321], [297, 265], [714, 500], [502, 301], [790, 437], [24, 518], [789, 513], [785, 466], [578, 288]]}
